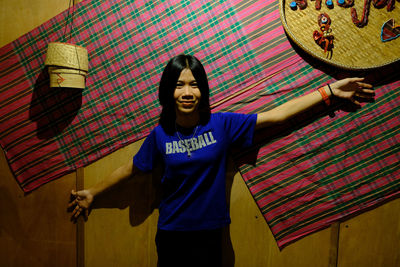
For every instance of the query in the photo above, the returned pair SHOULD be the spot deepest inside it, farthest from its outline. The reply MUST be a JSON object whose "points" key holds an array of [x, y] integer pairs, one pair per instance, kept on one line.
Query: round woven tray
{"points": [[354, 48]]}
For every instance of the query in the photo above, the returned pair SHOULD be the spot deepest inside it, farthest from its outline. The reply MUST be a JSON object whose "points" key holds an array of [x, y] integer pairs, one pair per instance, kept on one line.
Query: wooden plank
{"points": [[372, 238], [121, 228], [35, 229], [21, 16], [80, 224], [254, 244], [333, 250]]}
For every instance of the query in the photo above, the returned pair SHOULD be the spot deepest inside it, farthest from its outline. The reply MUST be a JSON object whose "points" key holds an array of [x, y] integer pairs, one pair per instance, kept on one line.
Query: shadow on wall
{"points": [[377, 76], [53, 108], [142, 196]]}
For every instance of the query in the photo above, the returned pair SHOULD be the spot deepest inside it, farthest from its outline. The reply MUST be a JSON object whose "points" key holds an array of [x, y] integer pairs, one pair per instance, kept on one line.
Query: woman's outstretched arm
{"points": [[84, 198], [349, 88]]}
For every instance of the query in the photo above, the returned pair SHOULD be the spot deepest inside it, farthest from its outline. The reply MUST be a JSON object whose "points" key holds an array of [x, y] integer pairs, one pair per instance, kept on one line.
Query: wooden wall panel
{"points": [[121, 227], [18, 17], [35, 229], [254, 244], [372, 238]]}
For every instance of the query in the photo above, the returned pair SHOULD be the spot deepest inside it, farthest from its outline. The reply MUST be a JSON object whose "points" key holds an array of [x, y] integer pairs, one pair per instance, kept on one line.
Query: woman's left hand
{"points": [[353, 89]]}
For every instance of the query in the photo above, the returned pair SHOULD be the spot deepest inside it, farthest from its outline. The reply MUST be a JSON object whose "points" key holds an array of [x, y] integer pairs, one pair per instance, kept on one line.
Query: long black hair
{"points": [[167, 87]]}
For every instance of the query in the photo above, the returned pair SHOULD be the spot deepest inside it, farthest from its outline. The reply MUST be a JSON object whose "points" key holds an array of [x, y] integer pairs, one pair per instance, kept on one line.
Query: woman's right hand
{"points": [[81, 203]]}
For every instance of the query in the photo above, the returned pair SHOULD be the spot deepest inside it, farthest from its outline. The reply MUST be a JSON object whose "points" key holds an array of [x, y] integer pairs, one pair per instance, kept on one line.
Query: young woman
{"points": [[192, 145]]}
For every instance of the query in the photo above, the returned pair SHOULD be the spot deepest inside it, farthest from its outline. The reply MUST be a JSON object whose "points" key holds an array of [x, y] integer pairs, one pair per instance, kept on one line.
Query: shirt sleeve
{"points": [[148, 153], [240, 128]]}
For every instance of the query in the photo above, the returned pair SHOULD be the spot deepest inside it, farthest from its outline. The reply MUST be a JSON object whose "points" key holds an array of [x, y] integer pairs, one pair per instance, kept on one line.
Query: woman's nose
{"points": [[187, 90]]}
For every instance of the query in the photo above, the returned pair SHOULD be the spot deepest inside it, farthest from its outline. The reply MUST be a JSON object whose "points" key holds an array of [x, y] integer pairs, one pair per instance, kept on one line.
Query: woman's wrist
{"points": [[92, 191], [330, 90], [335, 88], [326, 94]]}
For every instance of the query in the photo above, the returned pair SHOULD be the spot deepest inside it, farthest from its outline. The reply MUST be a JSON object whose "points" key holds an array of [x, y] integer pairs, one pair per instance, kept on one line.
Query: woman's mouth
{"points": [[187, 104]]}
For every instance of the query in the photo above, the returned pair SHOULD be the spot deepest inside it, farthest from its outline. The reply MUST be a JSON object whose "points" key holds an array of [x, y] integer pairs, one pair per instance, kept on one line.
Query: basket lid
{"points": [[67, 55]]}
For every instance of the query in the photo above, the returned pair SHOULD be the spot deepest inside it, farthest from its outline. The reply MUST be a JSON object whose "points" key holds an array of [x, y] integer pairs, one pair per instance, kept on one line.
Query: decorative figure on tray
{"points": [[390, 31], [302, 4], [328, 3], [363, 21], [345, 3], [324, 38]]}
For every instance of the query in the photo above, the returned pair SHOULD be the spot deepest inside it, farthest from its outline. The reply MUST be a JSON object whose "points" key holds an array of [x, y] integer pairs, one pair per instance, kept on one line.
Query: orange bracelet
{"points": [[325, 97]]}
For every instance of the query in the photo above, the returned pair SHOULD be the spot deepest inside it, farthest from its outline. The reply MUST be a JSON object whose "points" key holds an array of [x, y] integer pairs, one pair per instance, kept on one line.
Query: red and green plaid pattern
{"points": [[324, 171], [48, 132], [303, 179]]}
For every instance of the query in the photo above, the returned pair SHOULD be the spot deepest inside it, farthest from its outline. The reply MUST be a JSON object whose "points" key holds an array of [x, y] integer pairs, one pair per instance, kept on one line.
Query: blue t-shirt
{"points": [[193, 182]]}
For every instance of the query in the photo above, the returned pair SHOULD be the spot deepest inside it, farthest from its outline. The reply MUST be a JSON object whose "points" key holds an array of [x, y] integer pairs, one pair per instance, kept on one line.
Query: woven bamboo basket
{"points": [[354, 48], [67, 65], [67, 77]]}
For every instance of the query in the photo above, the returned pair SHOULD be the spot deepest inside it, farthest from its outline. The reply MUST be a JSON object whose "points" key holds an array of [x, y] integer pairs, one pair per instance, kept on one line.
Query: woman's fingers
{"points": [[364, 94], [70, 204], [363, 91], [77, 208], [368, 91], [78, 205], [364, 85], [76, 214], [73, 202], [355, 101], [355, 79], [77, 211]]}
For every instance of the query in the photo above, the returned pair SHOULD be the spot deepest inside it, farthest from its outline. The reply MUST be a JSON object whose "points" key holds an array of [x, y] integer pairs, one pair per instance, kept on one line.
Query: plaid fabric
{"points": [[48, 132], [303, 179], [317, 173]]}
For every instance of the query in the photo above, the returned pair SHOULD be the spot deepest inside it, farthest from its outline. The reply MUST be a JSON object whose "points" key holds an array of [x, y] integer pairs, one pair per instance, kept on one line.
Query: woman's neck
{"points": [[187, 120]]}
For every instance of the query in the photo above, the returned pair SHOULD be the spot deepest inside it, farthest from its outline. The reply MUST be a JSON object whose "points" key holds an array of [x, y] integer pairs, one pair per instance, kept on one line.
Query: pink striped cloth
{"points": [[318, 169], [305, 175], [49, 132]]}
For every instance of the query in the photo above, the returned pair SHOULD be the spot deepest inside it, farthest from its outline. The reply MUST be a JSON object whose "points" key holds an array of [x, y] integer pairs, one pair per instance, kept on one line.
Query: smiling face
{"points": [[183, 94], [187, 94]]}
